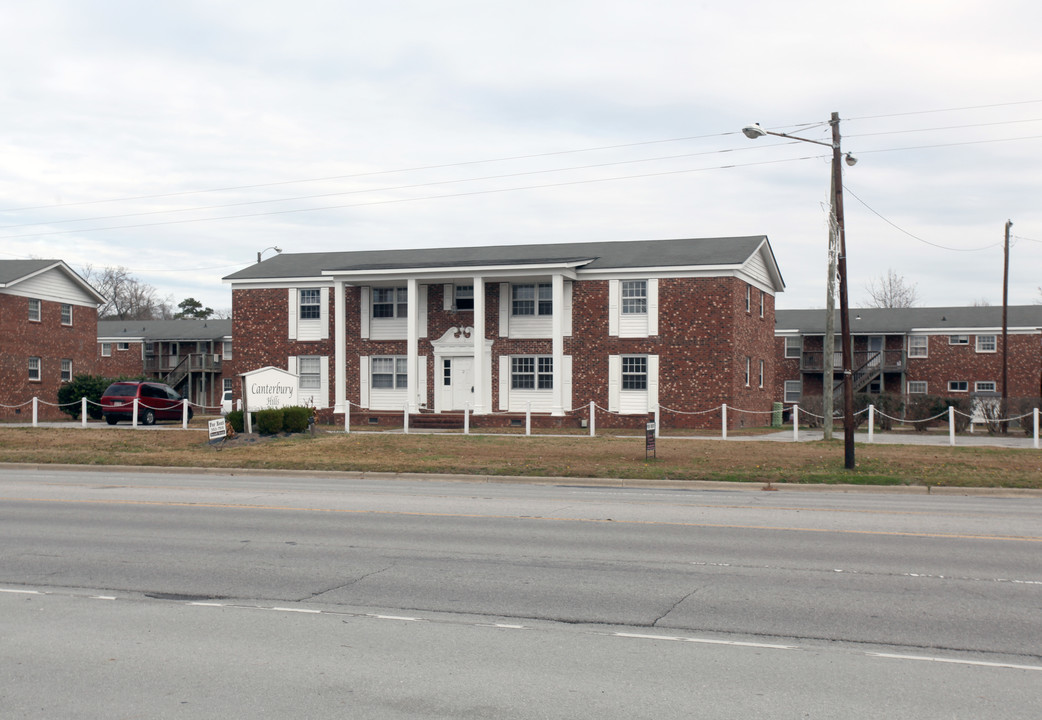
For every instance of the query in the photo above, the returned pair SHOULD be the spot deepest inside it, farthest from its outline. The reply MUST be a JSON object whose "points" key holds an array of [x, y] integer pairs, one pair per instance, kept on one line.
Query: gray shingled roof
{"points": [[11, 270], [902, 320], [187, 329], [691, 252]]}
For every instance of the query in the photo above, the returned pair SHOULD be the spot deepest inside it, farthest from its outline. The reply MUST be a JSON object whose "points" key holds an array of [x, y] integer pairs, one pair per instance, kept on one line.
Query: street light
{"points": [[276, 248], [755, 131]]}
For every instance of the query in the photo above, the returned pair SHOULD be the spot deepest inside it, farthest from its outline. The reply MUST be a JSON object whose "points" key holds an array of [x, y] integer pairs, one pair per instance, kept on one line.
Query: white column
{"points": [[557, 334], [412, 344], [479, 346], [340, 349]]}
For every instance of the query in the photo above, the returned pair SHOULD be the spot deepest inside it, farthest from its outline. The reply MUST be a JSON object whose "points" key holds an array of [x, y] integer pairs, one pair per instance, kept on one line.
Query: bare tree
{"points": [[127, 298], [891, 291]]}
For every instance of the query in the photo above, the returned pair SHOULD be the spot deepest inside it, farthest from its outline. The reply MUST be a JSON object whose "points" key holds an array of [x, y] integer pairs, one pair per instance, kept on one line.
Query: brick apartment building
{"points": [[193, 356], [686, 324], [48, 332], [947, 351]]}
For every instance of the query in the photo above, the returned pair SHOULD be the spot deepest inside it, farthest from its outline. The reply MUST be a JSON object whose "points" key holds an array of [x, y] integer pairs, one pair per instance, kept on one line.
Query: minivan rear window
{"points": [[121, 390]]}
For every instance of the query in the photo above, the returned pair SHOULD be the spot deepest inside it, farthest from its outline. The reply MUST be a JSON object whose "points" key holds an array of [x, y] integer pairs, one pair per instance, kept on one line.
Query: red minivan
{"points": [[156, 401]]}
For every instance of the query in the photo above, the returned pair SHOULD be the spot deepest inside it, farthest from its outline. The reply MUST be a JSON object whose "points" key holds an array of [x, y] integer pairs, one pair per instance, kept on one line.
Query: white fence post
{"points": [[1036, 427], [528, 418], [466, 419], [405, 421], [951, 425], [723, 420], [83, 411], [871, 422], [134, 418], [658, 420], [795, 423], [184, 414], [347, 417], [36, 411], [593, 419]]}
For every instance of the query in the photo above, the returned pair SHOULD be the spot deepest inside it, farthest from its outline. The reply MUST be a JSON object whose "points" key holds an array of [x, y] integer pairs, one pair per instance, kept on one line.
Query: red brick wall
{"points": [[121, 363], [49, 340]]}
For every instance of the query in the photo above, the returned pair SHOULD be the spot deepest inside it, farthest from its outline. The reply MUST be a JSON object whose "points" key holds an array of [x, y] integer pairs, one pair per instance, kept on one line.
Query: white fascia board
{"points": [[789, 332], [675, 271], [450, 273], [1020, 330], [301, 282]]}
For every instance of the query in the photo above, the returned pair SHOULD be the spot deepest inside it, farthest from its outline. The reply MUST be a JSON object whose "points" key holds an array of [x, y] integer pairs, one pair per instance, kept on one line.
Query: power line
{"points": [[432, 183], [897, 227], [944, 110], [373, 173], [403, 200], [949, 127]]}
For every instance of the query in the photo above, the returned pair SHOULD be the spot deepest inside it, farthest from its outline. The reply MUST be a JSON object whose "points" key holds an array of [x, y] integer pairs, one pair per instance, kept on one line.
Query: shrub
{"points": [[923, 411], [888, 406], [270, 422], [91, 387], [1024, 407], [295, 419], [237, 420]]}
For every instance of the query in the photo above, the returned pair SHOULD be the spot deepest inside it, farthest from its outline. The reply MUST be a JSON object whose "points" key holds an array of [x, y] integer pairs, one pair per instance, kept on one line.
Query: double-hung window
{"points": [[532, 373], [634, 297], [106, 349], [986, 344], [916, 387], [984, 386], [464, 297], [66, 314], [310, 304], [532, 299], [958, 339], [390, 302], [958, 385], [634, 372], [389, 373], [917, 346], [793, 390], [66, 370], [309, 372], [793, 347], [34, 368], [34, 310]]}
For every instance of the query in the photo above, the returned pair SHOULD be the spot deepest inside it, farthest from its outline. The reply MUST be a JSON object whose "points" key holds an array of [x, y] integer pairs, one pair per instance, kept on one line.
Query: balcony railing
{"points": [[208, 362], [889, 360]]}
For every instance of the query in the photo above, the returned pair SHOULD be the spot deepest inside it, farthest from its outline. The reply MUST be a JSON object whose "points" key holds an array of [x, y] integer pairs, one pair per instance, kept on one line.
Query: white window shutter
{"points": [[448, 292], [653, 306], [421, 378], [291, 364], [324, 311], [613, 307], [566, 382], [323, 364], [504, 309], [364, 310], [614, 382], [294, 296], [363, 381], [652, 382], [504, 381], [567, 309], [422, 302]]}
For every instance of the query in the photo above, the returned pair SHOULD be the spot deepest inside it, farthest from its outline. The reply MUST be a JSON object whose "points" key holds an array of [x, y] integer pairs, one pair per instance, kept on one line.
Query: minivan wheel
{"points": [[149, 417], [111, 419]]}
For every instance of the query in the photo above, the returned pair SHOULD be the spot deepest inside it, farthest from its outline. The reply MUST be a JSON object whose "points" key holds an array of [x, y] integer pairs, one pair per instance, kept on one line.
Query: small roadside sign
{"points": [[649, 442], [218, 429]]}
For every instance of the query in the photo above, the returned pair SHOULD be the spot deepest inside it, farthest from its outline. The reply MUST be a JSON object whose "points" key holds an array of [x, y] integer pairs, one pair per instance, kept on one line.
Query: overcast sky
{"points": [[178, 139]]}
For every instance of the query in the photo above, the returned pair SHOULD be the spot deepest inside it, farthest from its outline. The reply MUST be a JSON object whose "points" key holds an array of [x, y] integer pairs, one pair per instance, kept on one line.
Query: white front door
{"points": [[462, 378]]}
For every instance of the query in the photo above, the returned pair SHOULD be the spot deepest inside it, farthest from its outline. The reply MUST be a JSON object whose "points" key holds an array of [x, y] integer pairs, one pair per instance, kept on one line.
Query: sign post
{"points": [[649, 440]]}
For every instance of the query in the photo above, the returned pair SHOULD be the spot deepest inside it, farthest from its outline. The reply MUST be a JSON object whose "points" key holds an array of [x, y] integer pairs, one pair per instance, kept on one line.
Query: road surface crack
{"points": [[675, 605], [347, 584]]}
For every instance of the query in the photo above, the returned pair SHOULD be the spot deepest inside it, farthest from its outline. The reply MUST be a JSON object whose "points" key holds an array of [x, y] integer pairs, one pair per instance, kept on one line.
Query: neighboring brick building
{"points": [[949, 351], [685, 324], [194, 356], [48, 333]]}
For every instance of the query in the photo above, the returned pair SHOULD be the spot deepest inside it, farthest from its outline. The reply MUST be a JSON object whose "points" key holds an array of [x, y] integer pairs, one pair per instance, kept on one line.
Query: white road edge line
{"points": [[955, 661], [20, 592], [395, 617], [706, 641]]}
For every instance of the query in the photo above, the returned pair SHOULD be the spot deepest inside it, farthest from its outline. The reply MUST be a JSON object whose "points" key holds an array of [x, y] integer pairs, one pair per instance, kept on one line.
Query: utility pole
{"points": [[1005, 328], [844, 307], [828, 343]]}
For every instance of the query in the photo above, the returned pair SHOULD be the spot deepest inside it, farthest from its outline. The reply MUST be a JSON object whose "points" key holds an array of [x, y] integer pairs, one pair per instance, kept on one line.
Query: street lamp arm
{"points": [[754, 131]]}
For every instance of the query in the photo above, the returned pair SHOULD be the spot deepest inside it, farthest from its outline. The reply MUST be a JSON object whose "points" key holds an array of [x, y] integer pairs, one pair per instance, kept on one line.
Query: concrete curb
{"points": [[627, 483]]}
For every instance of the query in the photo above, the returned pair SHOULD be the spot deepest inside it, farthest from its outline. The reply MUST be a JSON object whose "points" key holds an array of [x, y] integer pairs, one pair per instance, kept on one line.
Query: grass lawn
{"points": [[563, 456]]}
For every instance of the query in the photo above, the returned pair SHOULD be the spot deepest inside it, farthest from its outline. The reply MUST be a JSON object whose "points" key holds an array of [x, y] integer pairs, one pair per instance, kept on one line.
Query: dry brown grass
{"points": [[568, 456]]}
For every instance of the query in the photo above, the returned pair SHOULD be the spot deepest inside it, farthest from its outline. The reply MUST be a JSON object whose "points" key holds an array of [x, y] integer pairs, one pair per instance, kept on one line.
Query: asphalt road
{"points": [[172, 595]]}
